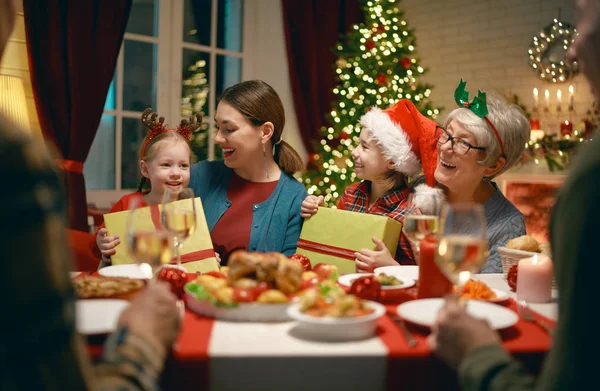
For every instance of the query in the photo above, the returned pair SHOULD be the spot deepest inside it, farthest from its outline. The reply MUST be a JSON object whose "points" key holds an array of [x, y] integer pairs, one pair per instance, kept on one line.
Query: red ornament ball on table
{"points": [[367, 288], [303, 260], [177, 278]]}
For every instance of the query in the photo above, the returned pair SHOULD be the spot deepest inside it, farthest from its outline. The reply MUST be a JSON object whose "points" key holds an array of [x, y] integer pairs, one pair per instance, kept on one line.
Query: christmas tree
{"points": [[194, 93], [376, 66]]}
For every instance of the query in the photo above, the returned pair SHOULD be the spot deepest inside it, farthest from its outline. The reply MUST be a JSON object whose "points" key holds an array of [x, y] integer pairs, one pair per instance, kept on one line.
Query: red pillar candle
{"points": [[566, 128], [535, 124], [432, 282]]}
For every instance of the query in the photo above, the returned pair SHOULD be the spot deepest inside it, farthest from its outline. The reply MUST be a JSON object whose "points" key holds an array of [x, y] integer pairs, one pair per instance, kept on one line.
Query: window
{"points": [[177, 57]]}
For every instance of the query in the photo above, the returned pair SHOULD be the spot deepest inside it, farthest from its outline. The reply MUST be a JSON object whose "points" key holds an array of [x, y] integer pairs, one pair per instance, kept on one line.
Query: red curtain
{"points": [[73, 47], [312, 28]]}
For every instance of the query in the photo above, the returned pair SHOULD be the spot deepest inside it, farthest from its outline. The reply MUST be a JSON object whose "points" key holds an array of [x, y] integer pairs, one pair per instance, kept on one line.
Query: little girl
{"points": [[165, 159], [393, 145]]}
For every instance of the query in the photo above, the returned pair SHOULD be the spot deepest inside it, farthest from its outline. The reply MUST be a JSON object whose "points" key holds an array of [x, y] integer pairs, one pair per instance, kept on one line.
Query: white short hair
{"points": [[510, 122]]}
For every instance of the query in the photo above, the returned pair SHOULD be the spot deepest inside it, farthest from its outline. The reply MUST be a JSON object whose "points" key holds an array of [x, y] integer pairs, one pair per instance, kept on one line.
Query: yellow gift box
{"points": [[197, 253], [332, 236]]}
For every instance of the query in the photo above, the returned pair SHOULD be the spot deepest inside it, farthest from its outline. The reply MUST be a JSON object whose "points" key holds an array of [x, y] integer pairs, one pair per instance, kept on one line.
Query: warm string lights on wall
{"points": [[555, 37], [376, 66]]}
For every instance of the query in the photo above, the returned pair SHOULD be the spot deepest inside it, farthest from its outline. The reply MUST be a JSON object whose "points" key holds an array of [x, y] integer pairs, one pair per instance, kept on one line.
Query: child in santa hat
{"points": [[394, 144]]}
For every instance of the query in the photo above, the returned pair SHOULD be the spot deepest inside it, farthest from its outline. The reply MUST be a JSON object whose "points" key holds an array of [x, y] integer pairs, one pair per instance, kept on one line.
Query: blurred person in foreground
{"points": [[39, 346], [472, 347]]}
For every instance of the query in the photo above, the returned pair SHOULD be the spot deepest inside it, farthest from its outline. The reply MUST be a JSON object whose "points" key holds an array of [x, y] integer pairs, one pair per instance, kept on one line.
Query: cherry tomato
{"points": [[310, 283], [260, 288], [325, 270], [243, 295]]}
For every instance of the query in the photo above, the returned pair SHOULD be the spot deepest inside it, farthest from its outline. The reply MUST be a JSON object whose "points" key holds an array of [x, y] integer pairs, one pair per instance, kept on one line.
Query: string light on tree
{"points": [[376, 66]]}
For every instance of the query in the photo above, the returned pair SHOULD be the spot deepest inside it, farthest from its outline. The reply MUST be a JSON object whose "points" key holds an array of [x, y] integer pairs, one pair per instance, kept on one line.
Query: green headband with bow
{"points": [[478, 105]]}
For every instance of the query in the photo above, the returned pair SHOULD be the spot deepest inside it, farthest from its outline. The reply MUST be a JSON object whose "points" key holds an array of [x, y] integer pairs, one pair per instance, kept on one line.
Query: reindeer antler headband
{"points": [[186, 127]]}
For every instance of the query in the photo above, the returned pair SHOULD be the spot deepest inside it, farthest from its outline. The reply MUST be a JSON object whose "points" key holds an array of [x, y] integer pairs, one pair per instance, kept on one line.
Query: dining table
{"points": [[222, 355]]}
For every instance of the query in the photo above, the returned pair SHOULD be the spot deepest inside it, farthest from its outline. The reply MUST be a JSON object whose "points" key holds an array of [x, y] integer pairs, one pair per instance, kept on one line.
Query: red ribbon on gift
{"points": [[185, 258], [326, 249]]}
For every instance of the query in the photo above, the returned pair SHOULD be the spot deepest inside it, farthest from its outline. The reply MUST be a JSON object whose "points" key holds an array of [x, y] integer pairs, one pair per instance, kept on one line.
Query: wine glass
{"points": [[151, 248], [421, 220], [463, 247], [178, 216]]}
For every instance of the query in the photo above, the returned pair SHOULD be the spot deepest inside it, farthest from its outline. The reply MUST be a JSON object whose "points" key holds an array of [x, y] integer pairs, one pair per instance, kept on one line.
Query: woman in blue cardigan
{"points": [[250, 198]]}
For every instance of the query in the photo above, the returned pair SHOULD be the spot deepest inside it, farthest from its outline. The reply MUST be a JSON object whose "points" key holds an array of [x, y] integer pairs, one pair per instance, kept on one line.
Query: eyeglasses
{"points": [[459, 146]]}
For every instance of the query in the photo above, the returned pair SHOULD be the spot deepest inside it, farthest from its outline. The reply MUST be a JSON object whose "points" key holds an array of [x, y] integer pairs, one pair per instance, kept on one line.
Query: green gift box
{"points": [[332, 236]]}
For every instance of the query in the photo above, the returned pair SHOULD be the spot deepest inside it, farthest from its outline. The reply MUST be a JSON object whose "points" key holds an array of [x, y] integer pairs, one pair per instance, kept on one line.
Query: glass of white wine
{"points": [[151, 248], [178, 216], [421, 220], [463, 247]]}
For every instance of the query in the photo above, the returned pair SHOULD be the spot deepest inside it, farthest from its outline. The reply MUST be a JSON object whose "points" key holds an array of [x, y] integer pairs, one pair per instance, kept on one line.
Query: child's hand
{"points": [[310, 206], [106, 243], [367, 260]]}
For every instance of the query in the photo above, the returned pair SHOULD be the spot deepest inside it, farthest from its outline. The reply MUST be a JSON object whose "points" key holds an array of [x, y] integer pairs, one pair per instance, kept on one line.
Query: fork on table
{"points": [[527, 314]]}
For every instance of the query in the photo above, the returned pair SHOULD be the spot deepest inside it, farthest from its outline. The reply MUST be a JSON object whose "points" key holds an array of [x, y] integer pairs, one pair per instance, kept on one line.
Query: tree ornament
{"points": [[381, 79], [176, 277], [370, 45], [367, 288], [405, 62], [548, 52]]}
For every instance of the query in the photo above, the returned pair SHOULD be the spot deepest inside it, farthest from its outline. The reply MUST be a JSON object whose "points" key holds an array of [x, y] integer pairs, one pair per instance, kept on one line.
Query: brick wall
{"points": [[486, 43]]}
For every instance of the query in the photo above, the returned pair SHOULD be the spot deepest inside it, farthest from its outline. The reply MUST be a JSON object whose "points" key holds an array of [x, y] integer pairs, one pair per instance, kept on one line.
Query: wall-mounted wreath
{"points": [[548, 52]]}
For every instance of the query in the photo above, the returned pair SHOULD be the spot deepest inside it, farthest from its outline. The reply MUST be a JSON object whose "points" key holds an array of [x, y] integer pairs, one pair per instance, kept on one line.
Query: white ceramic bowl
{"points": [[244, 312], [336, 329]]}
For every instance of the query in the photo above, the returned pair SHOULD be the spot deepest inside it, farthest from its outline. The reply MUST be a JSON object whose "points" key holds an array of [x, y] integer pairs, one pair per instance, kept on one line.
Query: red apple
{"points": [[303, 260], [326, 271]]}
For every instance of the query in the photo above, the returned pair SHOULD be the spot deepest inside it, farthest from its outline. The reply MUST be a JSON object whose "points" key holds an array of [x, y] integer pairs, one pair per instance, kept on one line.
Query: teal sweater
{"points": [[276, 222]]}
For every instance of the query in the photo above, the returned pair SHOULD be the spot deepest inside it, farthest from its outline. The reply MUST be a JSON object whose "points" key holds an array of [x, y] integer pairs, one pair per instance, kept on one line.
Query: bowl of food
{"points": [[327, 313], [256, 287]]}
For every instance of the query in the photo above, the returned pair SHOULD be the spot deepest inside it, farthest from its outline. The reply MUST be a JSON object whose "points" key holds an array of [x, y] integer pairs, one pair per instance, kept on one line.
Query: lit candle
{"points": [[534, 279], [536, 97], [571, 97], [558, 95], [547, 99]]}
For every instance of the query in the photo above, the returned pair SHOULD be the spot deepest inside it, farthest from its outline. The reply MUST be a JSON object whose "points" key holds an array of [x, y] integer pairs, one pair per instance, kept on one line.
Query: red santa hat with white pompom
{"points": [[406, 137]]}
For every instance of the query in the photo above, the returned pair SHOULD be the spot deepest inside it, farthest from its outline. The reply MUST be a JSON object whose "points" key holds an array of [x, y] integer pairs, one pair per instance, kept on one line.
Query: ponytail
{"points": [[287, 158], [142, 184]]}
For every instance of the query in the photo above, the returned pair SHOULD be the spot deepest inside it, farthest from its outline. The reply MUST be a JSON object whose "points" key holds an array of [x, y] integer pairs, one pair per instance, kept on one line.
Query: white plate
{"points": [[143, 271], [336, 329], [400, 272], [244, 312], [348, 279], [501, 296], [424, 312], [98, 316]]}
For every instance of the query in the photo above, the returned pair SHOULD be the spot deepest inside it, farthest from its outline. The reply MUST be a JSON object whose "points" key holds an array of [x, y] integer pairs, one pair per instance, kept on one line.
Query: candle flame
{"points": [[535, 92], [558, 94], [547, 94], [566, 122], [534, 261], [571, 90]]}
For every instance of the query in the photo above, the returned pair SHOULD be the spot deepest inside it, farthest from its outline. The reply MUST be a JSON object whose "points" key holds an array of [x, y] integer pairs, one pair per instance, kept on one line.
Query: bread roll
{"points": [[524, 243], [545, 249]]}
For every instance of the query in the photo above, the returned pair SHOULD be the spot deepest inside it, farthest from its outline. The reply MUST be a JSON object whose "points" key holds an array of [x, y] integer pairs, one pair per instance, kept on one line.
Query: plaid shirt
{"points": [[39, 347], [393, 205]]}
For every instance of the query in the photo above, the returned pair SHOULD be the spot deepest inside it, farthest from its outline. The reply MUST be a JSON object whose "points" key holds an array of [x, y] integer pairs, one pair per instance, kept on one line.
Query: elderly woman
{"points": [[478, 142]]}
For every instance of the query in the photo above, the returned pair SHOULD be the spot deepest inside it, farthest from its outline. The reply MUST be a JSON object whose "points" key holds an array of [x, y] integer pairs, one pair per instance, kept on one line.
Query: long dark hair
{"points": [[259, 103]]}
